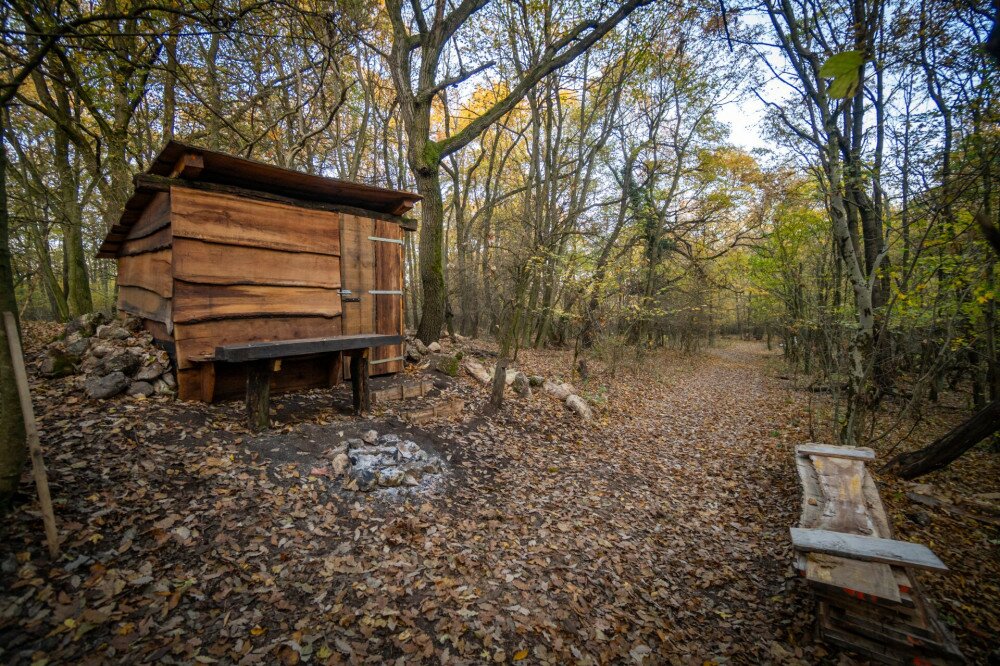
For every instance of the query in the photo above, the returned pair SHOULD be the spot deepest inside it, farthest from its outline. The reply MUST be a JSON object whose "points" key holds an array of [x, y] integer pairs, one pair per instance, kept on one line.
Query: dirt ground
{"points": [[658, 533]]}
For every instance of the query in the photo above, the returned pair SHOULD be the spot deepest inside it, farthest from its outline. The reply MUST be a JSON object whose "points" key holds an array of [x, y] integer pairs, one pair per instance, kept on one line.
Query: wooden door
{"points": [[357, 274], [388, 295], [372, 285]]}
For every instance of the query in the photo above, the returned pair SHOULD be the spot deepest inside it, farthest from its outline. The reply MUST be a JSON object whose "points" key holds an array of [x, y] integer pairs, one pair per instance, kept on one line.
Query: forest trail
{"points": [[656, 533]]}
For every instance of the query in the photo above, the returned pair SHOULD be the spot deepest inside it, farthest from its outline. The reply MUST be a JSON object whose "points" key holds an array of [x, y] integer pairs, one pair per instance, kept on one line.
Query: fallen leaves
{"points": [[655, 533]]}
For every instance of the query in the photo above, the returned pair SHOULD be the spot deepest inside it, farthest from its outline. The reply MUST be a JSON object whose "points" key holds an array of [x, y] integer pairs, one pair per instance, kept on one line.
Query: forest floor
{"points": [[657, 533]]}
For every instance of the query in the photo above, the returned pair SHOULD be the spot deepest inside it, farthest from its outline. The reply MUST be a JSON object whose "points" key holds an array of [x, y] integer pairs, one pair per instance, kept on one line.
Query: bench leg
{"points": [[336, 369], [258, 395], [359, 382]]}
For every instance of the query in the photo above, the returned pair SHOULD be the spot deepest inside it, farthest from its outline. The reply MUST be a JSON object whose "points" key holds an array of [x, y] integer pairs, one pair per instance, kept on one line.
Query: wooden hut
{"points": [[247, 272]]}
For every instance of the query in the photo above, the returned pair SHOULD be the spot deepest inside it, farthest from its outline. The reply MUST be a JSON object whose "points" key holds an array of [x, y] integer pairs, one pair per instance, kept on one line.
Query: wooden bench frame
{"points": [[260, 358]]}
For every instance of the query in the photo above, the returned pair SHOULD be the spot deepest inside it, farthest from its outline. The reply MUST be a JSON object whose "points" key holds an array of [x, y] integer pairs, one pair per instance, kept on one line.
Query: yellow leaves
{"points": [[521, 655], [258, 631]]}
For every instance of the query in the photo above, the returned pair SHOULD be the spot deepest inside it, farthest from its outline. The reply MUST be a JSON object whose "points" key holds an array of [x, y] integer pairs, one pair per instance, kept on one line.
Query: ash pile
{"points": [[383, 461], [109, 357]]}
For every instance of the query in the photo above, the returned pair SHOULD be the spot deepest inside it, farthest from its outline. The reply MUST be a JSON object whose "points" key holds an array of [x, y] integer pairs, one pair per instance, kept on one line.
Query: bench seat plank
{"points": [[873, 549], [851, 452], [257, 351]]}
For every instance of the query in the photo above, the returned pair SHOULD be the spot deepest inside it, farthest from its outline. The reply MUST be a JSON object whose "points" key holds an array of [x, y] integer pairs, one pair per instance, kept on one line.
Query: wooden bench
{"points": [[261, 356]]}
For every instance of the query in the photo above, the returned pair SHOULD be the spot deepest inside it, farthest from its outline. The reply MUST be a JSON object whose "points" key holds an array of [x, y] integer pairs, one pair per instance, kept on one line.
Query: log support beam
{"points": [[259, 395], [360, 392]]}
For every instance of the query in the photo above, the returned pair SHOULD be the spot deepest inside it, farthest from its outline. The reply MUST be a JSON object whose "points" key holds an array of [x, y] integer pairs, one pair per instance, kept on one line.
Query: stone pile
{"points": [[109, 357], [387, 461], [417, 351]]}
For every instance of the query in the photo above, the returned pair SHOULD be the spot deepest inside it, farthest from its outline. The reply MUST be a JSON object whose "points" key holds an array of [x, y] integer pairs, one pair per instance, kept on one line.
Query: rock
{"points": [[369, 437], [580, 406], [522, 385], [144, 389], [421, 347], [149, 372], [132, 324], [77, 345], [340, 463], [557, 391], [354, 443], [389, 439], [169, 380], [536, 380], [408, 449], [920, 517], [430, 466], [112, 332], [162, 388], [509, 377], [101, 349], [412, 354], [434, 348], [107, 386], [120, 361], [447, 365], [476, 369], [363, 478], [58, 363], [390, 477], [411, 478], [86, 324]]}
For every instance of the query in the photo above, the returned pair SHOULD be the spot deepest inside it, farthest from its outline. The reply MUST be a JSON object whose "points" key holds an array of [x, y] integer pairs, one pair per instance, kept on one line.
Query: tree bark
{"points": [[431, 255], [12, 437], [949, 447]]}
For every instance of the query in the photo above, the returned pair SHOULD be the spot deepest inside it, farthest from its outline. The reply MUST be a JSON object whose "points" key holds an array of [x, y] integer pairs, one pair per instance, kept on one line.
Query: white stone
{"points": [[476, 369], [340, 463], [580, 406], [557, 391]]}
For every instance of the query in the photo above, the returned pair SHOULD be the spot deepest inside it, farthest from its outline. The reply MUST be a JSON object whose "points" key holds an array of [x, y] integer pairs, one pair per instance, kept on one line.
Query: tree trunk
{"points": [[12, 442], [949, 447], [77, 281], [431, 254], [499, 380]]}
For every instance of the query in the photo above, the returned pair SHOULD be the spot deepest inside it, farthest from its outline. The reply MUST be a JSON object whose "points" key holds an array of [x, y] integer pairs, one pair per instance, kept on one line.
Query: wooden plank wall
{"points": [[246, 270], [145, 286]]}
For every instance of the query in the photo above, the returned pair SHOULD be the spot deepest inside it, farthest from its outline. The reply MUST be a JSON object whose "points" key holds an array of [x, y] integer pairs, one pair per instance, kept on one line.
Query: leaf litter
{"points": [[656, 533]]}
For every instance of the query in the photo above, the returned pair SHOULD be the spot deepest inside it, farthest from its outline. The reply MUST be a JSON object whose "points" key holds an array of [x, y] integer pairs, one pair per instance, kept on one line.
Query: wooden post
{"points": [[336, 369], [359, 382], [259, 395], [31, 430]]}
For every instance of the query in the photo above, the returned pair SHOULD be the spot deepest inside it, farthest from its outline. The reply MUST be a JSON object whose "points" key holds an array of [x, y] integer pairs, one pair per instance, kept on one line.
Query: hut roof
{"points": [[183, 164]]}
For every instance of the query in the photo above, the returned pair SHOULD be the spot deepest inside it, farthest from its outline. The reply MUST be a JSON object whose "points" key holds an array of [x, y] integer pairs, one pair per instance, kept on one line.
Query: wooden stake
{"points": [[31, 430]]}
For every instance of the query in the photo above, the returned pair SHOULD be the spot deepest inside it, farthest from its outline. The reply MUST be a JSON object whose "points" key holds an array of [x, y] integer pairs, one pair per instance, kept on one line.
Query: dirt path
{"points": [[656, 534]]}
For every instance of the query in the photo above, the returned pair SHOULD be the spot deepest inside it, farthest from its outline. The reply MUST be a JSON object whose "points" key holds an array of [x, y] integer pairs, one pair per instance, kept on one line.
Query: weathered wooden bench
{"points": [[261, 357], [869, 600]]}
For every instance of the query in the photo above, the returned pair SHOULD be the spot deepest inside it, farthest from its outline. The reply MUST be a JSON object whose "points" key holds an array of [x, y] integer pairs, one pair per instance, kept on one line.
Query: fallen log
{"points": [[945, 449]]}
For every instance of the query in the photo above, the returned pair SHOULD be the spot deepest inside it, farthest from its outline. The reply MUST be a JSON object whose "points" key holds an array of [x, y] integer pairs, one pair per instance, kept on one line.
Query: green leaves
{"points": [[845, 70]]}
